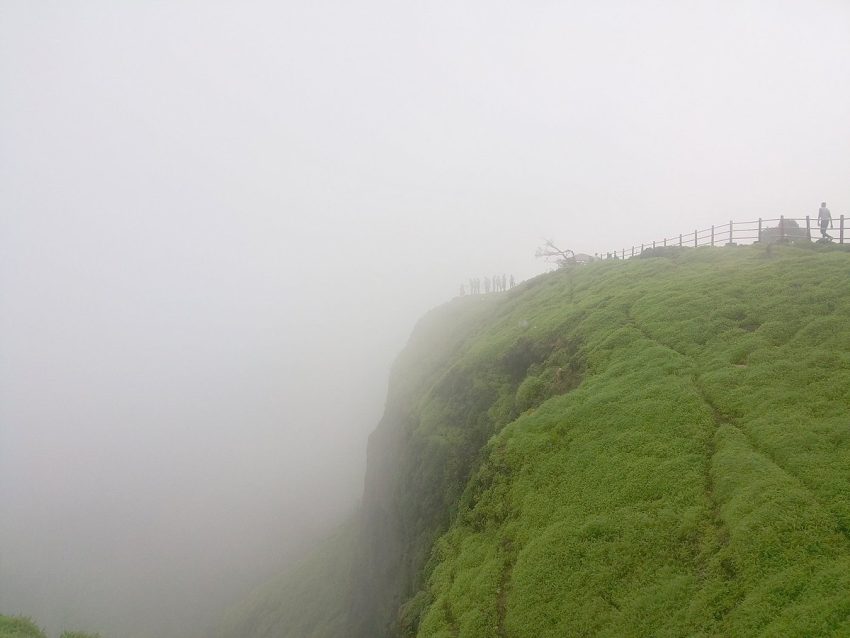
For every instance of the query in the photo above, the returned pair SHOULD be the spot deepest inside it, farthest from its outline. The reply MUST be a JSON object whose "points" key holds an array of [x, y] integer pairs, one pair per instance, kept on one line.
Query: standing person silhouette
{"points": [[825, 220]]}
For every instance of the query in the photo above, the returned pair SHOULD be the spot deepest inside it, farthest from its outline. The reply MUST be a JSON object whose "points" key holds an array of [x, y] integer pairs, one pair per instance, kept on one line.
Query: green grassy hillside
{"points": [[656, 447], [696, 483]]}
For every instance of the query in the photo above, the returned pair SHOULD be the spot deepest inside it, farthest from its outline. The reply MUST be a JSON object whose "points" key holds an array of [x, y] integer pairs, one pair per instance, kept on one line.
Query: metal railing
{"points": [[786, 229]]}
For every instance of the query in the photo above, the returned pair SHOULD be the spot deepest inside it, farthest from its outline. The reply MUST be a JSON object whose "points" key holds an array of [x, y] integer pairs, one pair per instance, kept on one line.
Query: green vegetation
{"points": [[655, 447], [697, 483], [18, 627], [307, 601]]}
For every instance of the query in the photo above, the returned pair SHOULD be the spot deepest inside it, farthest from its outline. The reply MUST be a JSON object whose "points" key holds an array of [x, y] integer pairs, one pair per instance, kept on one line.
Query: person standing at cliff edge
{"points": [[824, 219]]}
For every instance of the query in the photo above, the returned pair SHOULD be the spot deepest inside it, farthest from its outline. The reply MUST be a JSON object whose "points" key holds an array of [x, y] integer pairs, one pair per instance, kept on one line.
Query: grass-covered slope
{"points": [[696, 483], [306, 602], [655, 447]]}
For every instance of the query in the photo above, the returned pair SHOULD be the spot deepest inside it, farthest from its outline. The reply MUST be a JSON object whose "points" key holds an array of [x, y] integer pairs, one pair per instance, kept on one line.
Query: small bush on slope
{"points": [[697, 483], [18, 627]]}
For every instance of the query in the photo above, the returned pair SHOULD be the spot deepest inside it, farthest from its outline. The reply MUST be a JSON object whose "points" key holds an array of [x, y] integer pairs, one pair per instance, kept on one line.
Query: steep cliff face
{"points": [[652, 447], [454, 387]]}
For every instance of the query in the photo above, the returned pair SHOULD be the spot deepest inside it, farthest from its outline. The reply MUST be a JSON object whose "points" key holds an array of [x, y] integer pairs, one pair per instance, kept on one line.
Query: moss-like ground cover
{"points": [[696, 483]]}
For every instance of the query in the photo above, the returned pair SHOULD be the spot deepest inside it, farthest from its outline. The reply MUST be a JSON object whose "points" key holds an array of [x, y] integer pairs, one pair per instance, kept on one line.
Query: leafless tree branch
{"points": [[551, 252]]}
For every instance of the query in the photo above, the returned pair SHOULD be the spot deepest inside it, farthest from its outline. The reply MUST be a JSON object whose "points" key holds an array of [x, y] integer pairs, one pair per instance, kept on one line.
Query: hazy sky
{"points": [[219, 222]]}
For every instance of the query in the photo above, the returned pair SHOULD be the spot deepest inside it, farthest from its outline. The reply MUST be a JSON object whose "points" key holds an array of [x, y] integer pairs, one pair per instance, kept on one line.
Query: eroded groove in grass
{"points": [[502, 600], [727, 420], [450, 619], [721, 533], [647, 335], [720, 418]]}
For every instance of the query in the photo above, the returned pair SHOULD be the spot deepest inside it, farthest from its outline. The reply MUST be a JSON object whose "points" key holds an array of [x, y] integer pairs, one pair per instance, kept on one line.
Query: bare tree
{"points": [[550, 252]]}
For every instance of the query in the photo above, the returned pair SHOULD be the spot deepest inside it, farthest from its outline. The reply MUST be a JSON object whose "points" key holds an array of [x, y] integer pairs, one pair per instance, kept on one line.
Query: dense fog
{"points": [[220, 221]]}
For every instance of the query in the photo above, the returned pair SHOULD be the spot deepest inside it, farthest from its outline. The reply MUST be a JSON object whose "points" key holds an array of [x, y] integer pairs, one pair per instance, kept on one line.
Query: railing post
{"points": [[623, 253], [808, 228], [653, 243], [841, 231], [680, 239], [665, 242], [712, 236], [730, 232], [641, 248], [695, 238], [633, 251], [782, 228], [759, 229]]}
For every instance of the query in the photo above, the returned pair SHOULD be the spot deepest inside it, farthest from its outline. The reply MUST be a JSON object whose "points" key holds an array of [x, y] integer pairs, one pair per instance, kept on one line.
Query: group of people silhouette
{"points": [[496, 283]]}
